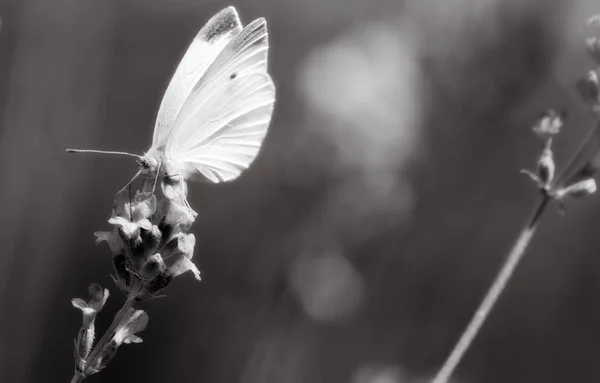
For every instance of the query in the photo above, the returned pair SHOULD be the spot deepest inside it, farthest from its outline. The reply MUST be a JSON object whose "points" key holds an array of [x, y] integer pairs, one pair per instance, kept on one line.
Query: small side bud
{"points": [[549, 124], [577, 190], [588, 170], [152, 267], [546, 168]]}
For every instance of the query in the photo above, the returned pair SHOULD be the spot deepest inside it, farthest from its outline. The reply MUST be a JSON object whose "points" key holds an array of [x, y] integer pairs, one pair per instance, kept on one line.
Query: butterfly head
{"points": [[148, 164]]}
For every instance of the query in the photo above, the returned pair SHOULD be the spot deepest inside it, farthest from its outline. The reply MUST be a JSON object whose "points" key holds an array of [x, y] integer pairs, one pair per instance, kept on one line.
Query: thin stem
{"points": [[494, 292], [509, 266], [77, 377], [573, 161]]}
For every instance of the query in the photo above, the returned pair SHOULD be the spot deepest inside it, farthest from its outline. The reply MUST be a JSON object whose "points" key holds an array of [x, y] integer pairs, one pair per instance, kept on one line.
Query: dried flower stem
{"points": [[494, 292], [77, 377], [507, 270]]}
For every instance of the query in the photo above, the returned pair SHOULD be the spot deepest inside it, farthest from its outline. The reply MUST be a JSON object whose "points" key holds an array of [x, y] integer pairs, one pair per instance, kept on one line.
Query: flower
{"points": [[150, 242], [131, 216], [182, 252], [96, 302], [110, 238], [89, 310], [133, 322]]}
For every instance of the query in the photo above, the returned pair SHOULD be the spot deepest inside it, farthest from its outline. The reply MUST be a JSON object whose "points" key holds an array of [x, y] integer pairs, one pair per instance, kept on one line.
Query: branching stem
{"points": [[509, 266]]}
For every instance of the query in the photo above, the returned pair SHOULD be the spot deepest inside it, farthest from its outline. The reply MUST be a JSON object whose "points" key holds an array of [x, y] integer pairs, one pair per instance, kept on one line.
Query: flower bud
{"points": [[155, 286], [123, 276], [549, 124], [151, 239], [152, 267], [546, 167], [588, 170]]}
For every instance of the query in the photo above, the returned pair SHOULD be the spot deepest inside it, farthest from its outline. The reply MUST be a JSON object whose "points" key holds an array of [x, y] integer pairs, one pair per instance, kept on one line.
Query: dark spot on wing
{"points": [[233, 75], [223, 23]]}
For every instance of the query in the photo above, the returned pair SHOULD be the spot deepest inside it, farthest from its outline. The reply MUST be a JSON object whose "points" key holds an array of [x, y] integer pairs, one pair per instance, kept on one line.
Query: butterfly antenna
{"points": [[102, 152]]}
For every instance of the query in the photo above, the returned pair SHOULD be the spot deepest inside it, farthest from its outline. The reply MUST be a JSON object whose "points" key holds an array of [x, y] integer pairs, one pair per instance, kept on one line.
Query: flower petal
{"points": [[111, 238], [144, 224], [130, 229], [181, 265], [144, 206], [136, 322], [179, 217], [98, 297], [132, 339], [79, 304]]}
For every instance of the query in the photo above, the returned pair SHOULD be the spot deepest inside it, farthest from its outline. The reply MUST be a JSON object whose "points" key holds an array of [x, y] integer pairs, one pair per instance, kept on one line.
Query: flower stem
{"points": [[77, 377], [510, 264], [494, 292]]}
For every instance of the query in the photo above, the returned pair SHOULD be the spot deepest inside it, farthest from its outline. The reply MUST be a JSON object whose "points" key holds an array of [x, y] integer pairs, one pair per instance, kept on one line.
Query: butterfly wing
{"points": [[222, 124], [202, 52]]}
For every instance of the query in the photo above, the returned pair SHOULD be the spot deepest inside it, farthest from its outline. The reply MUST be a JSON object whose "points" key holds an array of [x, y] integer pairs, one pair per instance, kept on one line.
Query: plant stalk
{"points": [[512, 260], [510, 264]]}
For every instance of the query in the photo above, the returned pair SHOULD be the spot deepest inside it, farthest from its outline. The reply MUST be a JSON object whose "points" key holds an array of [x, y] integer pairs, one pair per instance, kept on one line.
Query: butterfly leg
{"points": [[133, 179], [156, 178], [176, 178]]}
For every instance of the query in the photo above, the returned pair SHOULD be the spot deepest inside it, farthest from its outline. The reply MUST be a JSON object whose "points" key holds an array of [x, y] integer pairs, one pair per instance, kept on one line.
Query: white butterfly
{"points": [[216, 110]]}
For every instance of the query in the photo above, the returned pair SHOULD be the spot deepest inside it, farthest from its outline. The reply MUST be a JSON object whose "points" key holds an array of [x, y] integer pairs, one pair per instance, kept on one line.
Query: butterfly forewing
{"points": [[221, 126], [202, 52]]}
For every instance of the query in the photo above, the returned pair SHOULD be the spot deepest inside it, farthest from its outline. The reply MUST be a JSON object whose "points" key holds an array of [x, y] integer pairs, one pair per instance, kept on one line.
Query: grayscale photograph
{"points": [[299, 191]]}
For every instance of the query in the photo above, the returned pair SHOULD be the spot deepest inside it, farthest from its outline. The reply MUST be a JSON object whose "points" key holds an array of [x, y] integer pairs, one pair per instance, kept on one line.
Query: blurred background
{"points": [[359, 243]]}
